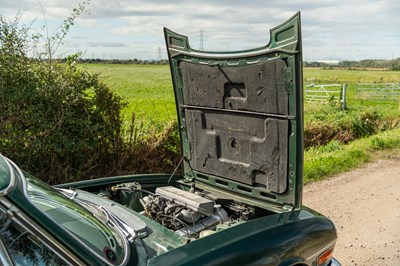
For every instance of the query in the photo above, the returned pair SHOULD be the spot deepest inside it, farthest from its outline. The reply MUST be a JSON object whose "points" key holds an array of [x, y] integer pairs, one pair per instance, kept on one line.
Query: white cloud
{"points": [[349, 29], [106, 44]]}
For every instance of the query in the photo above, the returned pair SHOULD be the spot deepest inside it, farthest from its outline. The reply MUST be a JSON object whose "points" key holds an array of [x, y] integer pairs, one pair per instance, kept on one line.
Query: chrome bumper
{"points": [[334, 262]]}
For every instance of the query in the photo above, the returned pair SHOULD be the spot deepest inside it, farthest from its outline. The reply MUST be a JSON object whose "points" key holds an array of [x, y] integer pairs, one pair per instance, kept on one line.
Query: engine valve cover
{"points": [[190, 200]]}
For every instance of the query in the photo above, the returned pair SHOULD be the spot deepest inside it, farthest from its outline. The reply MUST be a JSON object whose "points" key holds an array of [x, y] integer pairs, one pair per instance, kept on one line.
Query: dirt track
{"points": [[365, 207]]}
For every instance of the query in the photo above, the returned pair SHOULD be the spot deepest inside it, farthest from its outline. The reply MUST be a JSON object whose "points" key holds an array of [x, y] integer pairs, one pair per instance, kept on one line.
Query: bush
{"points": [[327, 123], [62, 123], [57, 121]]}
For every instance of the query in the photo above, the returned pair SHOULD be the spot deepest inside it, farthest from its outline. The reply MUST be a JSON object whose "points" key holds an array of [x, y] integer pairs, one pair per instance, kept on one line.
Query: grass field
{"points": [[349, 77], [319, 75], [147, 89]]}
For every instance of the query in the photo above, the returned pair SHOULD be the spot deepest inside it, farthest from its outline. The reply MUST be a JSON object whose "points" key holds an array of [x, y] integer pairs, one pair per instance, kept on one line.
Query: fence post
{"points": [[357, 92], [343, 100]]}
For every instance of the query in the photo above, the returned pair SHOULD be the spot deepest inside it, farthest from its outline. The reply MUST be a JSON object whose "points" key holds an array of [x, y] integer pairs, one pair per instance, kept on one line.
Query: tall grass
{"points": [[335, 158]]}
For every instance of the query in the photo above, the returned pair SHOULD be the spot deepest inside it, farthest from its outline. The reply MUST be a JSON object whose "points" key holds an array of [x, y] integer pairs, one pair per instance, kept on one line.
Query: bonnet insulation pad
{"points": [[245, 147]]}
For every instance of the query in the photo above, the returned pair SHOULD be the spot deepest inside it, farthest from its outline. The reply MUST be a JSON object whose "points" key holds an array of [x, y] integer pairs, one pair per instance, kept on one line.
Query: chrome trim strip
{"points": [[11, 185]]}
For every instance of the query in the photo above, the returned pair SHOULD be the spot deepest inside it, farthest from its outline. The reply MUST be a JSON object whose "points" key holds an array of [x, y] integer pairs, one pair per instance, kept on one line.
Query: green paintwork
{"points": [[285, 44], [19, 198], [265, 241], [146, 180], [74, 218]]}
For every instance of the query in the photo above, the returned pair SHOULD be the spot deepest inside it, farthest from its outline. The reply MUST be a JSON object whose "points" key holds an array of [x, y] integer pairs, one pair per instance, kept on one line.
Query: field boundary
{"points": [[325, 93], [378, 91]]}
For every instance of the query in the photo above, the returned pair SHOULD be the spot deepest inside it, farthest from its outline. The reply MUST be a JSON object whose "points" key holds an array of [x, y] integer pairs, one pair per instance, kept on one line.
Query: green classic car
{"points": [[237, 202]]}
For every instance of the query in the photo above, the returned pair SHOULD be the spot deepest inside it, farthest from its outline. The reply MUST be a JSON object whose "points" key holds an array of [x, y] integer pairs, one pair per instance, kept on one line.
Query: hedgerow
{"points": [[56, 120], [62, 123]]}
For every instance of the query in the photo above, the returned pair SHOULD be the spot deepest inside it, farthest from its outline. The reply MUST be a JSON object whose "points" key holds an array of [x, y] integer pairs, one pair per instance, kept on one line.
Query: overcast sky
{"points": [[127, 29]]}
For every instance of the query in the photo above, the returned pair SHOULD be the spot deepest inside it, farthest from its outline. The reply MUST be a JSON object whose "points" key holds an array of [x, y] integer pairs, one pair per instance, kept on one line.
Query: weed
{"points": [[332, 145], [378, 143]]}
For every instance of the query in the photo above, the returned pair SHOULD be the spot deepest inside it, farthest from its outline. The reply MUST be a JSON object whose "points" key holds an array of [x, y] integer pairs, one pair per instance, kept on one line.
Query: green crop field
{"points": [[319, 75], [147, 89]]}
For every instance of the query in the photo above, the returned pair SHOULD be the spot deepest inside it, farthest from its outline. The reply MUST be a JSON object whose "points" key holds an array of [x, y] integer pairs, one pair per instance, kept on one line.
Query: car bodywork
{"points": [[238, 200]]}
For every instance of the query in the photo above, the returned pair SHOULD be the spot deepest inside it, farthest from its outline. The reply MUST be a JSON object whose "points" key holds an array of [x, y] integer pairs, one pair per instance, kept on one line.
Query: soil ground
{"points": [[364, 204]]}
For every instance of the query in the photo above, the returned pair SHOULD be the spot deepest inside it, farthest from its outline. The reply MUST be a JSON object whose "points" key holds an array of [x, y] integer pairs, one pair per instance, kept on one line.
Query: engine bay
{"points": [[192, 213]]}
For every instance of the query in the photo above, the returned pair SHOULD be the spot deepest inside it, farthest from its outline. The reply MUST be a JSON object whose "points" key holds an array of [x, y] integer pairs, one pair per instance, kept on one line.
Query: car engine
{"points": [[191, 214]]}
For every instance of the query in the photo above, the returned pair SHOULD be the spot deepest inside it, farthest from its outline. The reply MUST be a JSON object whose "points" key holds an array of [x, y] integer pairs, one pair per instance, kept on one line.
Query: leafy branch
{"points": [[54, 41]]}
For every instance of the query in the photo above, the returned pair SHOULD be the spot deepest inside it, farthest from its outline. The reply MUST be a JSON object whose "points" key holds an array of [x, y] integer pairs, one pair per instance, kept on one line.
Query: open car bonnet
{"points": [[241, 117]]}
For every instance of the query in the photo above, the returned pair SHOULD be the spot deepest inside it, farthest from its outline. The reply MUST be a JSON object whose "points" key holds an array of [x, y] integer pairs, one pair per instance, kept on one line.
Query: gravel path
{"points": [[365, 206]]}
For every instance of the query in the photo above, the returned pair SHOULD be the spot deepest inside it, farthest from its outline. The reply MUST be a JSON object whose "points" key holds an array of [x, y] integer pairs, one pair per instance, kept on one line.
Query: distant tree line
{"points": [[393, 64], [121, 61]]}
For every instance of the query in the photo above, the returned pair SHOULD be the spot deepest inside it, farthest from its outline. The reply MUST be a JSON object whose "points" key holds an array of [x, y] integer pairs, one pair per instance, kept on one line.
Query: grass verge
{"points": [[335, 158]]}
